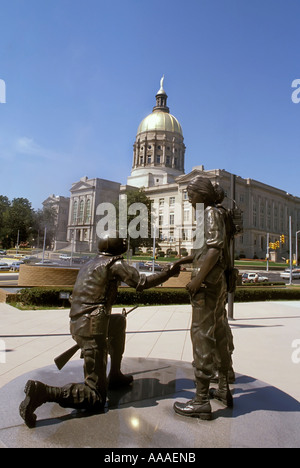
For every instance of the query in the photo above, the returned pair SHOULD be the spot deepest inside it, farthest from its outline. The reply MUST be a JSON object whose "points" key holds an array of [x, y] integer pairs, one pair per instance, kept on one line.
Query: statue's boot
{"points": [[116, 379], [199, 406], [77, 396], [222, 393], [231, 376], [37, 394], [116, 347]]}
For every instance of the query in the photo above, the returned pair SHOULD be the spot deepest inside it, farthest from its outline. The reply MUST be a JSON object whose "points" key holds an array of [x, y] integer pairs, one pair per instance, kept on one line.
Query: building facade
{"points": [[86, 196], [60, 206], [158, 166]]}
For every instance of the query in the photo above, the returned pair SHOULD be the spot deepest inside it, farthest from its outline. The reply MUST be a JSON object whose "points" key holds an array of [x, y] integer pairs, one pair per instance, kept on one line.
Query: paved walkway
{"points": [[266, 338]]}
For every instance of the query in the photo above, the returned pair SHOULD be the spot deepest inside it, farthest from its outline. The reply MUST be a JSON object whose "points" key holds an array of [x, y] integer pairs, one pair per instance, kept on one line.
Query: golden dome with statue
{"points": [[160, 119]]}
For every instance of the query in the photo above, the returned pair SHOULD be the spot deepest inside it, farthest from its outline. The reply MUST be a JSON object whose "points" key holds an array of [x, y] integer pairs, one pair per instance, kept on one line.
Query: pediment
{"points": [[79, 186], [185, 178]]}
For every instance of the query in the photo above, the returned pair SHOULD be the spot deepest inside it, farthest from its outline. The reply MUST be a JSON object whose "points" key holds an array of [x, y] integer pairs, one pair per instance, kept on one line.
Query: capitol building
{"points": [[158, 167]]}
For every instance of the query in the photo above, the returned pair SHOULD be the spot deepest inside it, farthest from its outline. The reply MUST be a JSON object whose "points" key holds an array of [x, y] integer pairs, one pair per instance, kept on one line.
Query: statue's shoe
{"points": [[194, 409]]}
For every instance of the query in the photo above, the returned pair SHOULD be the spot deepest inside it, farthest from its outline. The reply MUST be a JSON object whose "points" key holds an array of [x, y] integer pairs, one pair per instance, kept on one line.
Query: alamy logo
{"points": [[2, 92], [142, 225], [296, 353], [296, 94]]}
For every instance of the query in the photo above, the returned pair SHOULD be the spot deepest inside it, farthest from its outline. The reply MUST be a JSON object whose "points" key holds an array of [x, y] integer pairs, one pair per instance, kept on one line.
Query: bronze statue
{"points": [[95, 331], [208, 290]]}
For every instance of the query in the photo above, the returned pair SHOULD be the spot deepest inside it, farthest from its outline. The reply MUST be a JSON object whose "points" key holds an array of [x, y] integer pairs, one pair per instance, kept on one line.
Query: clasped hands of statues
{"points": [[197, 282]]}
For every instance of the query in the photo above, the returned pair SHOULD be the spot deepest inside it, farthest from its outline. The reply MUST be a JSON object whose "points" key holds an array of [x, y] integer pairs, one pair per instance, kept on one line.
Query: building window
{"points": [[185, 236], [269, 216], [88, 211], [254, 215], [158, 159], [160, 219], [172, 201], [75, 208], [161, 202], [262, 215], [168, 160], [149, 159], [85, 235], [81, 209], [186, 215], [171, 219], [275, 227]]}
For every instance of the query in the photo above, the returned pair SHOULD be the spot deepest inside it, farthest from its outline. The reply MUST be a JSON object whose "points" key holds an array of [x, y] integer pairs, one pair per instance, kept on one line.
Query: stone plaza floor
{"points": [[158, 353]]}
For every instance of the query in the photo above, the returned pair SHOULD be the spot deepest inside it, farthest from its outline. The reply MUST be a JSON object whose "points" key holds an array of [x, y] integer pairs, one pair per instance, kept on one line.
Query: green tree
{"points": [[137, 196], [4, 208], [44, 218], [20, 219]]}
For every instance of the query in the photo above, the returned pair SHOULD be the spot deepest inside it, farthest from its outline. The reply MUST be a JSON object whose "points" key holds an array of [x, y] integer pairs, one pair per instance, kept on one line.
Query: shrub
{"points": [[42, 296], [245, 294], [156, 296]]}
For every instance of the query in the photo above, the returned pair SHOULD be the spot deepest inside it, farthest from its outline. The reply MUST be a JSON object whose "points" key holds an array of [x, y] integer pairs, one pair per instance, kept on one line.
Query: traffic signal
{"points": [[277, 244], [282, 239]]}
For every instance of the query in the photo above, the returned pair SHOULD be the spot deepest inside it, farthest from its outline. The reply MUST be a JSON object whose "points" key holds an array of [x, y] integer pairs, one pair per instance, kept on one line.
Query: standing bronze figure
{"points": [[208, 290], [95, 331]]}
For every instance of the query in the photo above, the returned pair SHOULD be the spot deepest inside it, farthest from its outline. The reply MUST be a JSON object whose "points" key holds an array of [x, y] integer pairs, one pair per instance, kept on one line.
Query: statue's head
{"points": [[201, 190], [111, 243], [220, 193]]}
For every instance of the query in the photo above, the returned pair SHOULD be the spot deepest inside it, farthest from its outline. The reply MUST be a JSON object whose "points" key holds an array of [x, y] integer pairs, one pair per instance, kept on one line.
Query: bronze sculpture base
{"points": [[142, 415]]}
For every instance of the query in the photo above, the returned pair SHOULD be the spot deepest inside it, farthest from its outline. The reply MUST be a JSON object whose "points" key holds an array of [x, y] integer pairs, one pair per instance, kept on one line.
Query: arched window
{"points": [[88, 211], [81, 209], [75, 208]]}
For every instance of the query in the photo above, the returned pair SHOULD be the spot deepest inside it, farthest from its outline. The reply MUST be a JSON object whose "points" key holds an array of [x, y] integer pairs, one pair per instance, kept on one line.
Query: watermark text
{"points": [[296, 352], [2, 352], [296, 94], [2, 92], [135, 221]]}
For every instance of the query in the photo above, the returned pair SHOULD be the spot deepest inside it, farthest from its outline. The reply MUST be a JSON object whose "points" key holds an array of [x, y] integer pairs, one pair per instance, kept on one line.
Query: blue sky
{"points": [[80, 75]]}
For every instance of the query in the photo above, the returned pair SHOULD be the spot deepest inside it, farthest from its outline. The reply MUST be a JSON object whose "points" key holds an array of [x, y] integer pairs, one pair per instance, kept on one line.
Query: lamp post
{"points": [[44, 244], [154, 239], [18, 239], [291, 253], [268, 250], [232, 203], [297, 247]]}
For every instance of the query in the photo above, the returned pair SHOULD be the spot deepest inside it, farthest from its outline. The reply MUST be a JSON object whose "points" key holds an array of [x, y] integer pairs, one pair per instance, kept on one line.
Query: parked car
{"points": [[4, 266], [15, 266], [65, 257], [157, 266], [29, 258], [47, 262], [254, 278], [2, 252], [286, 273]]}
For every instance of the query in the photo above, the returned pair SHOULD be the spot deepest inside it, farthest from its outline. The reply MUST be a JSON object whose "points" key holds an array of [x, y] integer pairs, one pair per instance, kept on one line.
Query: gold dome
{"points": [[159, 120]]}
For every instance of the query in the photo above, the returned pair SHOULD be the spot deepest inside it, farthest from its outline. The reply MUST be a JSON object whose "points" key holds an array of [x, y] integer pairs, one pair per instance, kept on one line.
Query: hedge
{"points": [[159, 296], [42, 296], [244, 294]]}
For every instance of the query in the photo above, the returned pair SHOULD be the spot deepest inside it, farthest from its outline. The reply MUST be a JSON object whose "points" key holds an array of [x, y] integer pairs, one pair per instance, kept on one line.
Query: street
{"points": [[11, 278]]}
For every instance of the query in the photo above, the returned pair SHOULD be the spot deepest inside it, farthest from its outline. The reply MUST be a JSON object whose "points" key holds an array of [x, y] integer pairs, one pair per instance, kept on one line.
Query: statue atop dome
{"points": [[161, 90]]}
